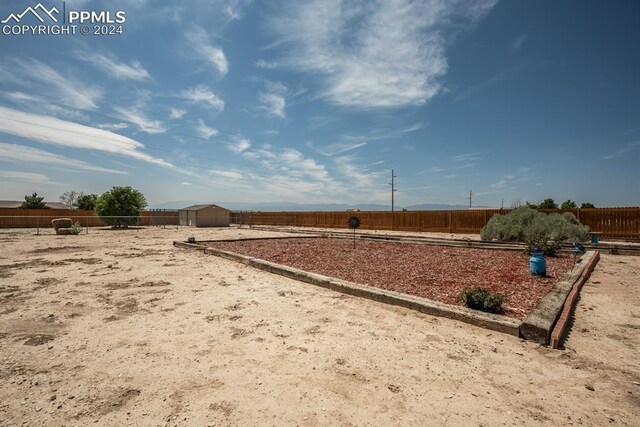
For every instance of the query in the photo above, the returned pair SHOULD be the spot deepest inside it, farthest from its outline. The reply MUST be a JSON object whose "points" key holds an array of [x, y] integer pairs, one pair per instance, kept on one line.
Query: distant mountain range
{"points": [[305, 207]]}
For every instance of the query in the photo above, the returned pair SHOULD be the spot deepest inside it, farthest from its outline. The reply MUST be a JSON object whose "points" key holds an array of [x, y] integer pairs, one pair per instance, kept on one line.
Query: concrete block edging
{"points": [[542, 320], [562, 323]]}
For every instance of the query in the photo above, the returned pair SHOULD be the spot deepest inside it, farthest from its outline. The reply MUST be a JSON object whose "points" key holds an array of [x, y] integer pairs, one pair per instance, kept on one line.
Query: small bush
{"points": [[76, 228], [535, 229], [482, 299]]}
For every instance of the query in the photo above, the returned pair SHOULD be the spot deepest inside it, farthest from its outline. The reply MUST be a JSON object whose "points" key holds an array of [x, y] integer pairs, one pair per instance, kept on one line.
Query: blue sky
{"points": [[316, 102]]}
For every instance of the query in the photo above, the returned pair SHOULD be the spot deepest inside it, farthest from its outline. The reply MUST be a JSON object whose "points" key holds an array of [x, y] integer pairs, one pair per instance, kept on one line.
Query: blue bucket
{"points": [[537, 263]]}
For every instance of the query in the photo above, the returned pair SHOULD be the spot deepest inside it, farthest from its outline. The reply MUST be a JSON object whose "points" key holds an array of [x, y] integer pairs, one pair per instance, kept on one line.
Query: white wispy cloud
{"points": [[176, 113], [511, 181], [113, 67], [502, 183], [266, 65], [622, 151], [201, 94], [205, 131], [469, 157], [212, 55], [517, 43], [112, 126], [337, 148], [51, 130], [384, 53], [39, 105], [29, 177], [185, 183], [239, 144], [138, 117], [48, 82], [227, 174], [436, 169], [273, 99], [274, 104], [357, 175], [22, 154], [465, 166]]}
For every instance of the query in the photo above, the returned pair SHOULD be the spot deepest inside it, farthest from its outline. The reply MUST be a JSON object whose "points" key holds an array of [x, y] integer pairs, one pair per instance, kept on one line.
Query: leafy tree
{"points": [[33, 202], [120, 206], [548, 204], [568, 204], [587, 205], [70, 199], [87, 202], [531, 205]]}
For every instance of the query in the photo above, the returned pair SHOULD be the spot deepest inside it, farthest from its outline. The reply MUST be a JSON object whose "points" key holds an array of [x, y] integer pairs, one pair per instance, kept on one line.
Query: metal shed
{"points": [[204, 216]]}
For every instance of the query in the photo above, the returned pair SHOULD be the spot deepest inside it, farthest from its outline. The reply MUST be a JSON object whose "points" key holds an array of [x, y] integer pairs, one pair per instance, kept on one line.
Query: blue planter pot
{"points": [[537, 263]]}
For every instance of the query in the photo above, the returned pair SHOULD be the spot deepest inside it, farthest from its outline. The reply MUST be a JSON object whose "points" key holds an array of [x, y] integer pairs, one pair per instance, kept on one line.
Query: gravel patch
{"points": [[432, 272]]}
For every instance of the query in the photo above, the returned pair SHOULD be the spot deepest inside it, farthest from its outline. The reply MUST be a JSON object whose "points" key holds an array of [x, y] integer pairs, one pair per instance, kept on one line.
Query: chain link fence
{"points": [[41, 224]]}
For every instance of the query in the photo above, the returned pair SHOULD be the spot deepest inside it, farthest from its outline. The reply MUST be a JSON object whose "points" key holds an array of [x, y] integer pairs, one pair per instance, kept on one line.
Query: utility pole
{"points": [[470, 198], [393, 190]]}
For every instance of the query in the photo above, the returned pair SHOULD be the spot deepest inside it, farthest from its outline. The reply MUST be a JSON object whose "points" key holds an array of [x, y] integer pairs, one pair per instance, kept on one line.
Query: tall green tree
{"points": [[87, 202], [548, 204], [33, 202], [568, 204], [120, 206], [587, 205]]}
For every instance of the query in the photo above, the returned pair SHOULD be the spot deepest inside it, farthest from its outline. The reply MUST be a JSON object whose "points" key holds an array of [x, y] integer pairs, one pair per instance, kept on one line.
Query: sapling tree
{"points": [[70, 199], [354, 223]]}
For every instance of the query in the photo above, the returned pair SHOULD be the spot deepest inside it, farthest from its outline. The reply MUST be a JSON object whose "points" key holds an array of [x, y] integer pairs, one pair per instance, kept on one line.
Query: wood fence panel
{"points": [[33, 218], [612, 223]]}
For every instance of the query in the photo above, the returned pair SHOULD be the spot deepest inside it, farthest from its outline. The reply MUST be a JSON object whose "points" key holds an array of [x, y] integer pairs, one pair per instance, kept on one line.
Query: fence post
{"points": [[37, 226]]}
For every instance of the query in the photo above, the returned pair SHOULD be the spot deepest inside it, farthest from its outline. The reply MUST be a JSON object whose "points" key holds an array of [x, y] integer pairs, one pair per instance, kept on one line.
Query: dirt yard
{"points": [[434, 272], [121, 328]]}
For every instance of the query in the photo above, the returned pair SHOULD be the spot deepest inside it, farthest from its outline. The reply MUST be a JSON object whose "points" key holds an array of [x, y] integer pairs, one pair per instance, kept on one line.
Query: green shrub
{"points": [[482, 299], [76, 228], [536, 229]]}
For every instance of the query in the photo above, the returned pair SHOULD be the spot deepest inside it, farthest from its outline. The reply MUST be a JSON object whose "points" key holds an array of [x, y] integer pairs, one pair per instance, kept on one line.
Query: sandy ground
{"points": [[121, 328]]}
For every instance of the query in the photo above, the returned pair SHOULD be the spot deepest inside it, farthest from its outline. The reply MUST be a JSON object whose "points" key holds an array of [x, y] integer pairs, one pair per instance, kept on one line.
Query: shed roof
{"points": [[198, 207]]}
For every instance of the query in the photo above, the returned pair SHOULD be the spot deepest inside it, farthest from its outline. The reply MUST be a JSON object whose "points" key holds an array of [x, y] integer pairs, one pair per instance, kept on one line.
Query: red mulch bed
{"points": [[433, 272]]}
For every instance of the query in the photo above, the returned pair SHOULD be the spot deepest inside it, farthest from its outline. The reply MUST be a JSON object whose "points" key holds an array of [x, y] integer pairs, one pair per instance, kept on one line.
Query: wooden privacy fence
{"points": [[612, 223], [34, 218]]}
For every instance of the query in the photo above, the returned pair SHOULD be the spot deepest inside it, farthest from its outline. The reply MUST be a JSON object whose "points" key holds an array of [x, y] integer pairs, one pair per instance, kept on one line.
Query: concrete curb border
{"points": [[539, 324], [560, 328], [485, 320]]}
